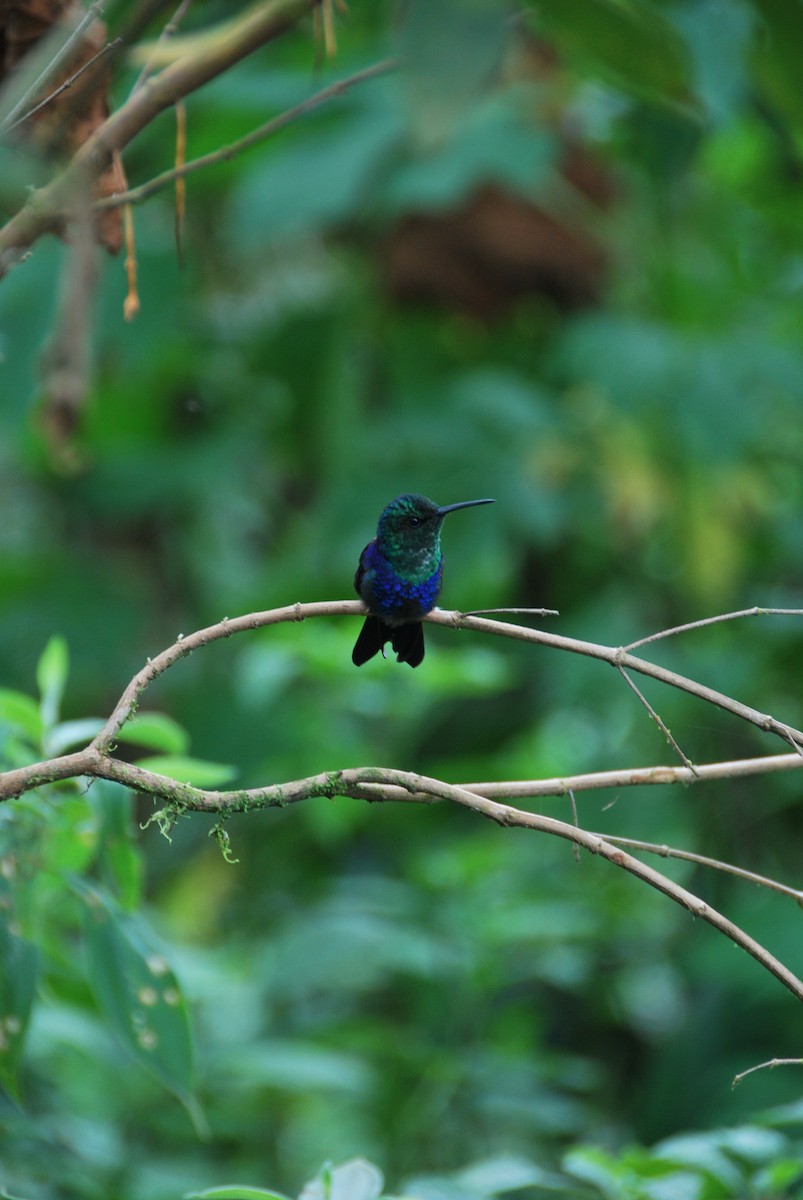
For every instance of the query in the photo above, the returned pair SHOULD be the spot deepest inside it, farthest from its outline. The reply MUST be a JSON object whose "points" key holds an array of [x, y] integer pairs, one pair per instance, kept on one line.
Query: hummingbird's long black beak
{"points": [[447, 508]]}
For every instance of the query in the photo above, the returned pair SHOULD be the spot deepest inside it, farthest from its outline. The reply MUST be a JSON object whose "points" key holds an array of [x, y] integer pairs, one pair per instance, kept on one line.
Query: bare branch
{"points": [[533, 612], [773, 1062], [374, 783], [638, 777], [619, 657]]}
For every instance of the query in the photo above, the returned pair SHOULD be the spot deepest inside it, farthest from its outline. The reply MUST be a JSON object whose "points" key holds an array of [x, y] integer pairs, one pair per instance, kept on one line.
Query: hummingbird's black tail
{"points": [[407, 641]]}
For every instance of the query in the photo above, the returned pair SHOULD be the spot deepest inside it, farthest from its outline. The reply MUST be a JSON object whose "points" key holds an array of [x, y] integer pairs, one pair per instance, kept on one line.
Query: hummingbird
{"points": [[399, 577]]}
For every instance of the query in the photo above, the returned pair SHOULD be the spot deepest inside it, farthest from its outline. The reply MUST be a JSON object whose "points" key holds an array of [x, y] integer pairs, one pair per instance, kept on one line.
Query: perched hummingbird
{"points": [[399, 577]]}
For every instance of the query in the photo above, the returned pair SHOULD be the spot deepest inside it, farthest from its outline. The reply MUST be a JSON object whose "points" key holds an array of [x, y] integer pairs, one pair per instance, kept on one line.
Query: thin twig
{"points": [[661, 725], [773, 1062], [731, 616], [576, 823], [533, 612], [136, 195], [61, 55], [703, 860], [68, 83], [618, 657], [167, 32]]}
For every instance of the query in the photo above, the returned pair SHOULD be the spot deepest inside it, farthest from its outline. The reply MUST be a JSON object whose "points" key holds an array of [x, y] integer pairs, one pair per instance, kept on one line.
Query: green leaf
{"points": [[356, 1179], [51, 677], [22, 714], [137, 991], [71, 733], [18, 970], [609, 1175], [155, 731], [194, 771], [235, 1191]]}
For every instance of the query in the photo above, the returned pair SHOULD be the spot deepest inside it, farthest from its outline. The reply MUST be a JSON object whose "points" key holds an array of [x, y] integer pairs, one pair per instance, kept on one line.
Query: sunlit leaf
{"points": [[356, 1179], [51, 678], [71, 733], [506, 1174], [22, 714]]}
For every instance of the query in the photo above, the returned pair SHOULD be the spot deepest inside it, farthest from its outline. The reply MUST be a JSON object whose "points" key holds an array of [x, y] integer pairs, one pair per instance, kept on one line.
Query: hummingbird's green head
{"points": [[409, 533]]}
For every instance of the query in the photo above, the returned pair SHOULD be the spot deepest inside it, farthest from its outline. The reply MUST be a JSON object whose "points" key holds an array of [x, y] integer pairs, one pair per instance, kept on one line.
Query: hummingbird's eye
{"points": [[413, 521]]}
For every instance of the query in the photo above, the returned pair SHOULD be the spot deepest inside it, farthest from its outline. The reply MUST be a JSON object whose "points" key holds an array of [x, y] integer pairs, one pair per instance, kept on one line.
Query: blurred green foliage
{"points": [[407, 983]]}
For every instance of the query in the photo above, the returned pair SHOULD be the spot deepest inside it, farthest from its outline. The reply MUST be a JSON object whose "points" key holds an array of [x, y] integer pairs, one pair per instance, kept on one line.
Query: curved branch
{"points": [[376, 783], [373, 783], [614, 656]]}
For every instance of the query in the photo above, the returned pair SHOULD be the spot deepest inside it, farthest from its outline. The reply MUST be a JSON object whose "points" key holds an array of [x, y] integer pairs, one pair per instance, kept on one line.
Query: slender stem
{"points": [[167, 32], [68, 83], [731, 616], [137, 195]]}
